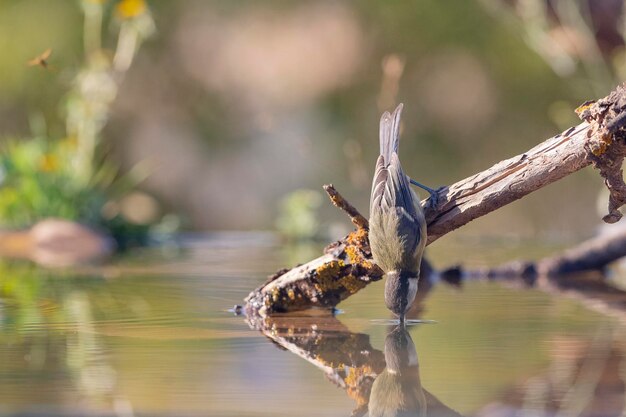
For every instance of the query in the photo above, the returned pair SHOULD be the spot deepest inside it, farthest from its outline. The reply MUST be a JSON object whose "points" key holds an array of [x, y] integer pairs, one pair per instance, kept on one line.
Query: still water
{"points": [[152, 335]]}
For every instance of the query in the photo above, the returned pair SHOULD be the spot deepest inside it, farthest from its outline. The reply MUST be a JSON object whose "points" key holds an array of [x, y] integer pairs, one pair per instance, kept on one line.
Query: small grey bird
{"points": [[397, 226]]}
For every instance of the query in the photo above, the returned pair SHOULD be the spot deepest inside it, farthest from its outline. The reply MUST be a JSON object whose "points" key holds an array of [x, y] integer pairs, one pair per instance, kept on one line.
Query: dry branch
{"points": [[337, 199], [346, 265]]}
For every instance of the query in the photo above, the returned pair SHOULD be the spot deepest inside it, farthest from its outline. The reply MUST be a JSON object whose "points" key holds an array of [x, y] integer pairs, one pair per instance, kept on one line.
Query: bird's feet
{"points": [[422, 186], [433, 201]]}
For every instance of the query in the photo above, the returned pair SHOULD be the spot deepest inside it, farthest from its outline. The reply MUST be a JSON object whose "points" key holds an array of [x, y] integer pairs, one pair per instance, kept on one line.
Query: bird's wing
{"points": [[391, 192], [389, 141], [390, 133], [379, 183], [398, 191], [400, 198]]}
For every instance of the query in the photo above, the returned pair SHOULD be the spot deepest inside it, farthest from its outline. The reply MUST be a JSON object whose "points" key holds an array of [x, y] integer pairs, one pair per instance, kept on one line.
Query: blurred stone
{"points": [[56, 243]]}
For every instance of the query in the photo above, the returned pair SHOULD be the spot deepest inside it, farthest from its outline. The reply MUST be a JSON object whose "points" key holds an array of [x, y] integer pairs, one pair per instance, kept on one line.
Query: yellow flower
{"points": [[127, 9], [49, 163]]}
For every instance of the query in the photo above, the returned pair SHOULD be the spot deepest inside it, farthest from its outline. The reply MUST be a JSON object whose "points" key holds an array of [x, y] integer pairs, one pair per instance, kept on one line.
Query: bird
{"points": [[397, 227]]}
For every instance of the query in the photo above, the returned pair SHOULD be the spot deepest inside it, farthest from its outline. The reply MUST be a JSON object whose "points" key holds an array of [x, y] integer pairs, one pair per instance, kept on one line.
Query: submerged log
{"points": [[346, 265], [593, 254], [577, 273]]}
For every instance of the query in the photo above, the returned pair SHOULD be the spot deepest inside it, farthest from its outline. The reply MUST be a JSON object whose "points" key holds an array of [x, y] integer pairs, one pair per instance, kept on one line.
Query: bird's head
{"points": [[400, 290]]}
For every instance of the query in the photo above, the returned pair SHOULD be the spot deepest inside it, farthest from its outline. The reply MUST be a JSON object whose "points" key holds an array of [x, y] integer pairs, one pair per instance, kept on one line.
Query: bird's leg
{"points": [[423, 187], [434, 196], [402, 321]]}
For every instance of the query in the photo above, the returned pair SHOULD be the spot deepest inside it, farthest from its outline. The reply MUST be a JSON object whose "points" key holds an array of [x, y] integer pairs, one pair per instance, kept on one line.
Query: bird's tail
{"points": [[390, 133]]}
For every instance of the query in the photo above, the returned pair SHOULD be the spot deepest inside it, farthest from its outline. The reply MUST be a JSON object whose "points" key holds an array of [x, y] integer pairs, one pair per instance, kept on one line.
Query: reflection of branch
{"points": [[346, 358]]}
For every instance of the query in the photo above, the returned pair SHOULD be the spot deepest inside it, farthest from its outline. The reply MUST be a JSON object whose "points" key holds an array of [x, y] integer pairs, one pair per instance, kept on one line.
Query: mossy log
{"points": [[346, 266]]}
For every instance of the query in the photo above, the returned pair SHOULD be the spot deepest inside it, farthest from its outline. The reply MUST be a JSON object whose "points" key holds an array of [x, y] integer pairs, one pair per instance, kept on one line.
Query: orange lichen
{"points": [[354, 255], [327, 276], [585, 106], [358, 241], [359, 238], [355, 374], [354, 379], [352, 283], [600, 148]]}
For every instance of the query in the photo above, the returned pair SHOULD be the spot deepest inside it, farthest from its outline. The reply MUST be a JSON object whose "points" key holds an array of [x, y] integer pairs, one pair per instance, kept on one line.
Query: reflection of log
{"points": [[346, 358], [584, 379], [346, 266], [590, 289]]}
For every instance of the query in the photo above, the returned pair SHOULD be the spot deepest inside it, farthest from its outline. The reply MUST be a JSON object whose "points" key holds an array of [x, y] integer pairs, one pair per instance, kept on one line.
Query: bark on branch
{"points": [[346, 265]]}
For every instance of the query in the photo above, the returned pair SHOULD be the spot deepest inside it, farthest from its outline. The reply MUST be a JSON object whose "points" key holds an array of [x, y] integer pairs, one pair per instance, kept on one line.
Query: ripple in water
{"points": [[396, 322]]}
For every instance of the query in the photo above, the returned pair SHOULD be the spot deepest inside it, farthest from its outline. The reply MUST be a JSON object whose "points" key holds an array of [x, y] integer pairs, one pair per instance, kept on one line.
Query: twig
{"points": [[337, 199]]}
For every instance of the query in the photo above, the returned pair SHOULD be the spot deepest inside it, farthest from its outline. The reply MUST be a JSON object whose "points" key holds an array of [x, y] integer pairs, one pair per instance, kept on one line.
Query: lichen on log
{"points": [[607, 118], [345, 267]]}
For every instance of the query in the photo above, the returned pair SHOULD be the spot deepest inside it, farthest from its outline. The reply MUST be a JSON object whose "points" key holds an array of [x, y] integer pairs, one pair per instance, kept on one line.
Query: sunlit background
{"points": [[204, 130], [230, 107]]}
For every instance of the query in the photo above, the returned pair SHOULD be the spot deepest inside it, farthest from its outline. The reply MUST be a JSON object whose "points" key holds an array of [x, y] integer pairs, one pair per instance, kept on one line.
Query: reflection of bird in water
{"points": [[397, 391], [397, 225]]}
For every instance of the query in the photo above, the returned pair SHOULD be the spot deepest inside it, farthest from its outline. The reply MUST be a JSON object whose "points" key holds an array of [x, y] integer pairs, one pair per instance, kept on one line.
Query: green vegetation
{"points": [[70, 176], [297, 218]]}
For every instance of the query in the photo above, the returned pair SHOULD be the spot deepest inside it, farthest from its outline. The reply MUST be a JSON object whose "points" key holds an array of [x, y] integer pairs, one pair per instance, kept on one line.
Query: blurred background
{"points": [[232, 114], [142, 118]]}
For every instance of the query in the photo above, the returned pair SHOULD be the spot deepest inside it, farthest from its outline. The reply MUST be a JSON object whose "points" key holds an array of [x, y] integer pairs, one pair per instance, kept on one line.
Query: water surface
{"points": [[152, 335]]}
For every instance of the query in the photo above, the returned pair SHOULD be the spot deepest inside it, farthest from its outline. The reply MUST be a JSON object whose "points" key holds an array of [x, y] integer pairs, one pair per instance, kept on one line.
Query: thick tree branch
{"points": [[507, 181], [347, 266], [599, 140]]}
